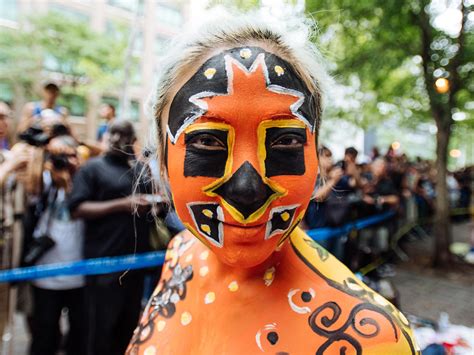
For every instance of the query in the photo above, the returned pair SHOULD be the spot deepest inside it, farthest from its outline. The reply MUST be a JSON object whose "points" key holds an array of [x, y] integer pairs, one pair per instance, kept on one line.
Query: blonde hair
{"points": [[289, 39]]}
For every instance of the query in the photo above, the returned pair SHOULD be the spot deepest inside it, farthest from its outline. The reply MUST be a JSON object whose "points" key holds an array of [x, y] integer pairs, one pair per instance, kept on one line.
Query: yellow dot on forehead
{"points": [[245, 53], [186, 318], [161, 325], [205, 228], [279, 70], [207, 213], [209, 73], [203, 271], [209, 298], [233, 286], [151, 350], [189, 258], [285, 216]]}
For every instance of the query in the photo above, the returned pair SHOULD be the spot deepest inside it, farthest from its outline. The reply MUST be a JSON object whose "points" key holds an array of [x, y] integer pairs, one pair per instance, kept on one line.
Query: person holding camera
{"points": [[111, 193], [39, 112], [57, 238]]}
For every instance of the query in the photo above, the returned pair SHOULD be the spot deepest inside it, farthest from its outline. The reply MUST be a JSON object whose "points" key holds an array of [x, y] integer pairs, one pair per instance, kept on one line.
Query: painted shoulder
{"points": [[369, 316]]}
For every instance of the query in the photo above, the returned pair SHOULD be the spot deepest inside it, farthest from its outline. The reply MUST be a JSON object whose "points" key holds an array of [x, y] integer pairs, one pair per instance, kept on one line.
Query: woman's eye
{"points": [[288, 142], [207, 142]]}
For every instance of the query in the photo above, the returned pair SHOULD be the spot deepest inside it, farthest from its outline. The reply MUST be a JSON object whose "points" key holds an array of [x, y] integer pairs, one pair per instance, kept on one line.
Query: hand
{"points": [[136, 203], [18, 161], [335, 175], [368, 200], [351, 169]]}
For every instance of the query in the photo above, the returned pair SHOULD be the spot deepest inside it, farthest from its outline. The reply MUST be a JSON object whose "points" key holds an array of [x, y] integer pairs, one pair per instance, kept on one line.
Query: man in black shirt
{"points": [[104, 196]]}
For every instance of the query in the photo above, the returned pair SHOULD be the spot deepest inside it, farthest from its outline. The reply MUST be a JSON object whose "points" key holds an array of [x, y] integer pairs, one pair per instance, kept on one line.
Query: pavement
{"points": [[424, 292]]}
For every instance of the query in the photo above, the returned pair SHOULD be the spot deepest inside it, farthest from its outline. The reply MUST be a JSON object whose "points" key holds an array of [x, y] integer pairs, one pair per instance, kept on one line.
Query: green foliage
{"points": [[241, 5], [382, 43], [53, 43]]}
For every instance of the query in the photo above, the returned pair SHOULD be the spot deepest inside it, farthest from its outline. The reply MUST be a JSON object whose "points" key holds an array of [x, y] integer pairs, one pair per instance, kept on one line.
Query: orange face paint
{"points": [[242, 166], [247, 210]]}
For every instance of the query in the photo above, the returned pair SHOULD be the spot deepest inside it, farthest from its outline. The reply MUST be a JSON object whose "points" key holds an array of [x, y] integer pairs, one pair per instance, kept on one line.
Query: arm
{"points": [[323, 192], [26, 119], [99, 209]]}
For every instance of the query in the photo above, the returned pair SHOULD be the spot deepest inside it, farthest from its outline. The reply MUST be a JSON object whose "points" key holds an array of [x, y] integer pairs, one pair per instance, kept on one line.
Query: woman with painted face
{"points": [[237, 113]]}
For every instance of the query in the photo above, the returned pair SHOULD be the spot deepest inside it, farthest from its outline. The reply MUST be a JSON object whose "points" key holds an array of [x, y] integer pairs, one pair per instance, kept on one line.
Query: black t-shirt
{"points": [[385, 187], [106, 178]]}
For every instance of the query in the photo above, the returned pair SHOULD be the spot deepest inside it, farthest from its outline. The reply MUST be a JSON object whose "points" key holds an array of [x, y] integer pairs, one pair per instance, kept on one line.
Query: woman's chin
{"points": [[245, 256]]}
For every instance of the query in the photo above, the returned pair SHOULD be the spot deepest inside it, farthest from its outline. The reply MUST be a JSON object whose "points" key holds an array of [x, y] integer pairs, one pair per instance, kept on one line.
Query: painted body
{"points": [[242, 163], [301, 301]]}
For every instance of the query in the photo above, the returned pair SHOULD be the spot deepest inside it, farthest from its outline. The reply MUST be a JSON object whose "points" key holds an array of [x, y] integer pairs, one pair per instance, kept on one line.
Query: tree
{"points": [[53, 45], [402, 55]]}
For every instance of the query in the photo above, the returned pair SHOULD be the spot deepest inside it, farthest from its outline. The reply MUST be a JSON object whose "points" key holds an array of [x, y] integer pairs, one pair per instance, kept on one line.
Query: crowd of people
{"points": [[81, 201], [347, 191], [86, 200]]}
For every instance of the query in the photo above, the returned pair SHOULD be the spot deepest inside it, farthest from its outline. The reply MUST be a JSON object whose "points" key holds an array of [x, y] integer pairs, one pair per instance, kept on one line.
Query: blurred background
{"points": [[399, 111]]}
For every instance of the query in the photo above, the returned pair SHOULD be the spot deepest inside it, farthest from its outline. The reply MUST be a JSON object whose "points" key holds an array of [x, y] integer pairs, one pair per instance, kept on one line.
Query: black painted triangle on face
{"points": [[245, 190], [280, 220], [208, 218]]}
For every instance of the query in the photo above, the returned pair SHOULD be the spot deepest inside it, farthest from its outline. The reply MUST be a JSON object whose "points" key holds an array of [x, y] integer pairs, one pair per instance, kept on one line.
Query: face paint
{"points": [[241, 153]]}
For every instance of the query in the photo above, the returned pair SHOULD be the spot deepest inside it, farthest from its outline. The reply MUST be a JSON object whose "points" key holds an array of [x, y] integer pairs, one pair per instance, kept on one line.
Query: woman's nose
{"points": [[245, 190]]}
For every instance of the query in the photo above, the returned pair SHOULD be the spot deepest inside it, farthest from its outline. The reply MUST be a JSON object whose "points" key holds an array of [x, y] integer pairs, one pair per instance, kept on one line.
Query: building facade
{"points": [[149, 24]]}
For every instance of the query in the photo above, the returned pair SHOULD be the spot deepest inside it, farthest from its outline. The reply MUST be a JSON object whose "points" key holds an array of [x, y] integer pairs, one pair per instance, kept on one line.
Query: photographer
{"points": [[57, 238], [34, 112]]}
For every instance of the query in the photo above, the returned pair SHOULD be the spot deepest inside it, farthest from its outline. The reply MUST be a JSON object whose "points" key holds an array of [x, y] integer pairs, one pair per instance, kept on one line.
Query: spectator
{"points": [[103, 194], [316, 213], [9, 162], [351, 179], [44, 112], [58, 238], [380, 191], [107, 113]]}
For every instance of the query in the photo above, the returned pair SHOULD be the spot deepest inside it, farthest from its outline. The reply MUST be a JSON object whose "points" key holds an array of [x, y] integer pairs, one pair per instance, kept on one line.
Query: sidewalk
{"points": [[425, 292]]}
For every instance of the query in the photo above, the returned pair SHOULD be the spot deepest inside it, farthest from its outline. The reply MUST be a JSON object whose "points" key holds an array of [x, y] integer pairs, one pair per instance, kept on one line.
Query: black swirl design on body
{"points": [[324, 317], [163, 303]]}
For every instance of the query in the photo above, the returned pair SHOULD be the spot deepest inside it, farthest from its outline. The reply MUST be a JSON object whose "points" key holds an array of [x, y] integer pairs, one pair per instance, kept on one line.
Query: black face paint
{"points": [[280, 220], [205, 162], [245, 190], [283, 157], [208, 219], [211, 80]]}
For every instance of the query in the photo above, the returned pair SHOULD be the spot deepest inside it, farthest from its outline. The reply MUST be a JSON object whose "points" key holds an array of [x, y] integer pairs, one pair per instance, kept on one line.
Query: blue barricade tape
{"points": [[140, 261], [328, 233], [85, 267]]}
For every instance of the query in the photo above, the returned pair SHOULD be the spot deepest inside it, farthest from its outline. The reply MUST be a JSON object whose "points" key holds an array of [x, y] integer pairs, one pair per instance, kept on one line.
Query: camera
{"points": [[341, 164]]}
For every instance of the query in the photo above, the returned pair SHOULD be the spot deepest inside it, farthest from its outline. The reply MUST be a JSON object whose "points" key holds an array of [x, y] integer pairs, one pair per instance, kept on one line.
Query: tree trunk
{"points": [[442, 227]]}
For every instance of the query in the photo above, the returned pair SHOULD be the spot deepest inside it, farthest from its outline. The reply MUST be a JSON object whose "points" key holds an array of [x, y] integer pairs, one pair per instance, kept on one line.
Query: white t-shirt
{"points": [[68, 235]]}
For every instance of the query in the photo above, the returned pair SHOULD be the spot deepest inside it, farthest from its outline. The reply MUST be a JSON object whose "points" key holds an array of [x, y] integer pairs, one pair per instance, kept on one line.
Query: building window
{"points": [[134, 114], [70, 13], [161, 45], [134, 110], [6, 93], [9, 10], [76, 104], [168, 16], [138, 44], [127, 5]]}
